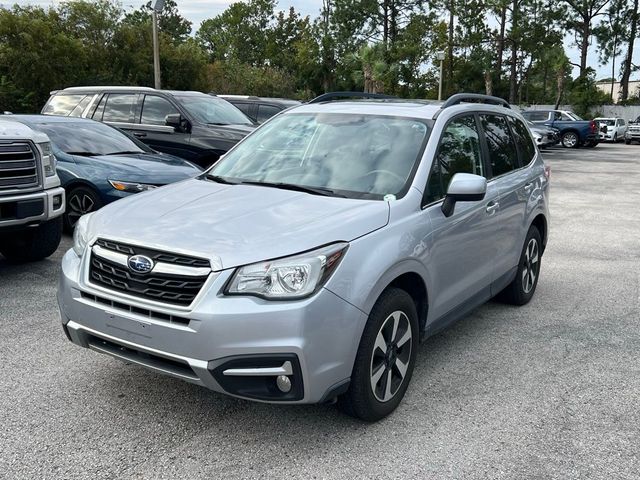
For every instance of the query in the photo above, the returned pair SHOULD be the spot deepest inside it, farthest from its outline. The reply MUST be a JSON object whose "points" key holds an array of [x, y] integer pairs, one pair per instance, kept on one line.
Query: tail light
{"points": [[594, 127]]}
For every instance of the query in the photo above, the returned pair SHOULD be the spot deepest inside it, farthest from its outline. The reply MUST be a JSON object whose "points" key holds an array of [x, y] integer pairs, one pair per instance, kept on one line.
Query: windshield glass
{"points": [[89, 138], [212, 110], [573, 116], [359, 156], [608, 122]]}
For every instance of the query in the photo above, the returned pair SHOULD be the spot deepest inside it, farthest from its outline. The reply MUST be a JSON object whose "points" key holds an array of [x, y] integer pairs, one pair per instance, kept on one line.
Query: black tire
{"points": [[33, 244], [521, 289], [570, 140], [615, 138], [80, 201], [361, 400], [591, 144], [627, 142]]}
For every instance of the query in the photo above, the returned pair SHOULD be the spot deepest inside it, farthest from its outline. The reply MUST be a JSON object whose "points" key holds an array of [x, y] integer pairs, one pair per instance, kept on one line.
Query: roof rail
{"points": [[474, 97], [328, 97]]}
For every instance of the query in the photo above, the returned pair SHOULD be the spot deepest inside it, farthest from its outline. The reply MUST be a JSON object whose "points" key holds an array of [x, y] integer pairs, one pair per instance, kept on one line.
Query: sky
{"points": [[198, 10]]}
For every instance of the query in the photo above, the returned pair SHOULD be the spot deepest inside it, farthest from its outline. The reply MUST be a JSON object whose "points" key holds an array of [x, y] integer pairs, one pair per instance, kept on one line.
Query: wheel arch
{"points": [[540, 222]]}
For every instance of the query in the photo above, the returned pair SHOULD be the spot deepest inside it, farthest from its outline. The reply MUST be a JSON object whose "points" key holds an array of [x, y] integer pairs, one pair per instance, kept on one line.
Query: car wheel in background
{"points": [[627, 142], [521, 289], [385, 359], [33, 244], [570, 140], [615, 138], [80, 201]]}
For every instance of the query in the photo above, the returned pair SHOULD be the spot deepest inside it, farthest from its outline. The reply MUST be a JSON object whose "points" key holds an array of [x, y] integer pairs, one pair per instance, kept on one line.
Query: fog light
{"points": [[283, 383], [57, 202]]}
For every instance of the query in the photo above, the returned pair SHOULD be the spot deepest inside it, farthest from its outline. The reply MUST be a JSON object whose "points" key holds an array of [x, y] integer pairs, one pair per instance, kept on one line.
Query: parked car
{"points": [[98, 164], [574, 132], [287, 274], [259, 109], [191, 125], [31, 199], [611, 129], [633, 132], [543, 135]]}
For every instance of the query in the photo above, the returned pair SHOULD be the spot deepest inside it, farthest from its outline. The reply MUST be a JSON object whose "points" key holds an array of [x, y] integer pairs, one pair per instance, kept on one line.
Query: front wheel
{"points": [[521, 289], [33, 243], [80, 201], [385, 359], [570, 140]]}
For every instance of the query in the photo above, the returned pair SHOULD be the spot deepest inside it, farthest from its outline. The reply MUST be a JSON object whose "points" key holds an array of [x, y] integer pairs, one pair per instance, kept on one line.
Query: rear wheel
{"points": [[80, 201], [570, 140], [628, 142], [385, 359], [521, 289], [33, 244]]}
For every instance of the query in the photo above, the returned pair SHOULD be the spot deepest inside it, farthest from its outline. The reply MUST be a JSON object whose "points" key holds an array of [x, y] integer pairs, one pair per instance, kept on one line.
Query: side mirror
{"points": [[174, 120], [464, 187]]}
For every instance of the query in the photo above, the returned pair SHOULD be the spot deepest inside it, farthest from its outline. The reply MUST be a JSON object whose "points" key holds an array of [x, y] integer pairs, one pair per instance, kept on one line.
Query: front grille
{"points": [[18, 165], [155, 255], [162, 287], [137, 310]]}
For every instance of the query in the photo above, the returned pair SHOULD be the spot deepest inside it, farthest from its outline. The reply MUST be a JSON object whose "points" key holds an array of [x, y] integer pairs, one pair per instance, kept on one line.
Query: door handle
{"points": [[528, 187], [139, 134], [492, 207]]}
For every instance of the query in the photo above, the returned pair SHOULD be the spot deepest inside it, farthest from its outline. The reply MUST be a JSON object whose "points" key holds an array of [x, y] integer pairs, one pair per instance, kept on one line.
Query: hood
{"points": [[152, 168], [235, 225], [11, 129], [232, 132]]}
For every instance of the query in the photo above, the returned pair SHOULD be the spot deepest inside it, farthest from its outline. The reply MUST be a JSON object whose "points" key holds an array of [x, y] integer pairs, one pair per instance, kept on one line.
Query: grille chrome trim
{"points": [[19, 166]]}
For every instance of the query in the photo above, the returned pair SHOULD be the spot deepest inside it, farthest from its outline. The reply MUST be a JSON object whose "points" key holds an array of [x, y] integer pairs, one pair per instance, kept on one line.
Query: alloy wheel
{"points": [[79, 204], [391, 356], [570, 140], [530, 266]]}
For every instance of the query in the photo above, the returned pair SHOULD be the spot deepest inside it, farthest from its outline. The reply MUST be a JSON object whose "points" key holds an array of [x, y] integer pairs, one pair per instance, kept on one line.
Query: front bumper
{"points": [[319, 335], [31, 208]]}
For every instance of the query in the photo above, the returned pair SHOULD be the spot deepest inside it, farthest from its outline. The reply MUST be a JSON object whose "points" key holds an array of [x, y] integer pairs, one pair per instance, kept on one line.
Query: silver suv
{"points": [[309, 262]]}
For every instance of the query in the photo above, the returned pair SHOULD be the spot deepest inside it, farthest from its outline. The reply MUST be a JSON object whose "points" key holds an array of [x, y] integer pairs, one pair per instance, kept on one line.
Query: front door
{"points": [[462, 250]]}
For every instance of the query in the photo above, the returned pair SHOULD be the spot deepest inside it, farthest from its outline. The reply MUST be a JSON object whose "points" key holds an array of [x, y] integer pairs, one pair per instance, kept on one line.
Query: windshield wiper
{"points": [[218, 179], [325, 192], [85, 154], [126, 152]]}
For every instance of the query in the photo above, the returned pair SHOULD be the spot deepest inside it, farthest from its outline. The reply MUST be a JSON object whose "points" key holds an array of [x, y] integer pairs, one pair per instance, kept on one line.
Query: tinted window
{"points": [[212, 110], [536, 116], [458, 152], [243, 107], [119, 107], [66, 104], [88, 138], [502, 149], [523, 140], [622, 123], [155, 109], [265, 112]]}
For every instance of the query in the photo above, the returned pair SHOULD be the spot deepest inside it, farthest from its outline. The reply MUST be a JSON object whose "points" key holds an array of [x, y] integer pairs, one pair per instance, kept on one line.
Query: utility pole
{"points": [[156, 7], [440, 56]]}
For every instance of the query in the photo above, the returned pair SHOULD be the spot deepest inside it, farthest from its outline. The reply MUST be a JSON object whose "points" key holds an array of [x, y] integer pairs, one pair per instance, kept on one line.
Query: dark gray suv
{"points": [[191, 125]]}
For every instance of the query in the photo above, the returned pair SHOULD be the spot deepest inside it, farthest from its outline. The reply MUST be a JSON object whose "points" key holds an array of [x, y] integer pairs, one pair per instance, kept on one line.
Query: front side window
{"points": [[155, 110], [119, 107], [265, 112], [212, 110], [353, 155], [67, 105], [458, 152], [503, 155], [523, 140]]}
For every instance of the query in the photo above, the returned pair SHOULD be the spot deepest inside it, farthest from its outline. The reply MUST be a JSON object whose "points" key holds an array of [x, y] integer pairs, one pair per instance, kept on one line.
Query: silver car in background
{"points": [[309, 262]]}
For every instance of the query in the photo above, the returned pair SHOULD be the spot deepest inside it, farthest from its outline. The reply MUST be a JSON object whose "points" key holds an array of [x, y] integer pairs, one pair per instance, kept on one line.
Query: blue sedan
{"points": [[98, 164]]}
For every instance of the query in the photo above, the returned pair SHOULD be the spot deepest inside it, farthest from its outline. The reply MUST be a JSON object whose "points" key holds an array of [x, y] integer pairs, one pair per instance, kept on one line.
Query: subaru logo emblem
{"points": [[140, 264]]}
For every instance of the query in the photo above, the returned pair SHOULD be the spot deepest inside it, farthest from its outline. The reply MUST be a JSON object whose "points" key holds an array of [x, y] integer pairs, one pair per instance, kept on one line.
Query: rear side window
{"points": [[119, 107], [458, 152], [265, 112], [67, 105], [523, 140], [155, 110], [502, 148]]}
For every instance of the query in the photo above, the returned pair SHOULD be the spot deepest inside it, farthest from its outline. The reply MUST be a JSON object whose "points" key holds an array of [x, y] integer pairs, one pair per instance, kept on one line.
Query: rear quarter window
{"points": [[67, 105], [523, 140]]}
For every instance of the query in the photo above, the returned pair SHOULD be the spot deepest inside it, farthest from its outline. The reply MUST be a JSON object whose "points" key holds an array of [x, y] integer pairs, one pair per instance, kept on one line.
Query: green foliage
{"points": [[584, 95]]}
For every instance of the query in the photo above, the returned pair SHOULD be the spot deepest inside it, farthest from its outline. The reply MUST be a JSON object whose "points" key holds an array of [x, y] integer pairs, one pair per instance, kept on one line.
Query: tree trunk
{"points": [[560, 86], [584, 46], [503, 24], [626, 72], [488, 82], [450, 48], [385, 22], [513, 80]]}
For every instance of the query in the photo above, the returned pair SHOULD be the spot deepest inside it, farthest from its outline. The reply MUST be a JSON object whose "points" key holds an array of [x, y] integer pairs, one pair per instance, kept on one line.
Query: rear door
{"points": [[151, 128], [511, 151], [463, 249], [117, 109]]}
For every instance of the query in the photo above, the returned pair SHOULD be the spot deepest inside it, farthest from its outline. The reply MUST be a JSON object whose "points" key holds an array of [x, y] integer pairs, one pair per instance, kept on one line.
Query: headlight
{"points": [[287, 278], [80, 235], [131, 187], [48, 159]]}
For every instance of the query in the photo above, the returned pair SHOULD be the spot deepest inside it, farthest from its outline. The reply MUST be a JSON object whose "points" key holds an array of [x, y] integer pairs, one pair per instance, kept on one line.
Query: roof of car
{"points": [[287, 101], [115, 88], [37, 119]]}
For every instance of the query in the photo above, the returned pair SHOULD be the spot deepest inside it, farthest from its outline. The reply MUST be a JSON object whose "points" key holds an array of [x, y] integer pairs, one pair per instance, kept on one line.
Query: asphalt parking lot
{"points": [[545, 391]]}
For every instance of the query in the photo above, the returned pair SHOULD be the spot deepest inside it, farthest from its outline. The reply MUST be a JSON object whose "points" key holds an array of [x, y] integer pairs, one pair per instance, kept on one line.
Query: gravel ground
{"points": [[545, 391]]}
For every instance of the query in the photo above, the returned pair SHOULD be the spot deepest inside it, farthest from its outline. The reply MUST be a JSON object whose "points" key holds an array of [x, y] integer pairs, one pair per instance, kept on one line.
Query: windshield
{"points": [[573, 116], [89, 138], [212, 110], [359, 156], [608, 122]]}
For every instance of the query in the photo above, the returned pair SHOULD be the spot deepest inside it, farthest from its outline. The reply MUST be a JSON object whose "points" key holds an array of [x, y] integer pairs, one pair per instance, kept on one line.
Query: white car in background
{"points": [[611, 129]]}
